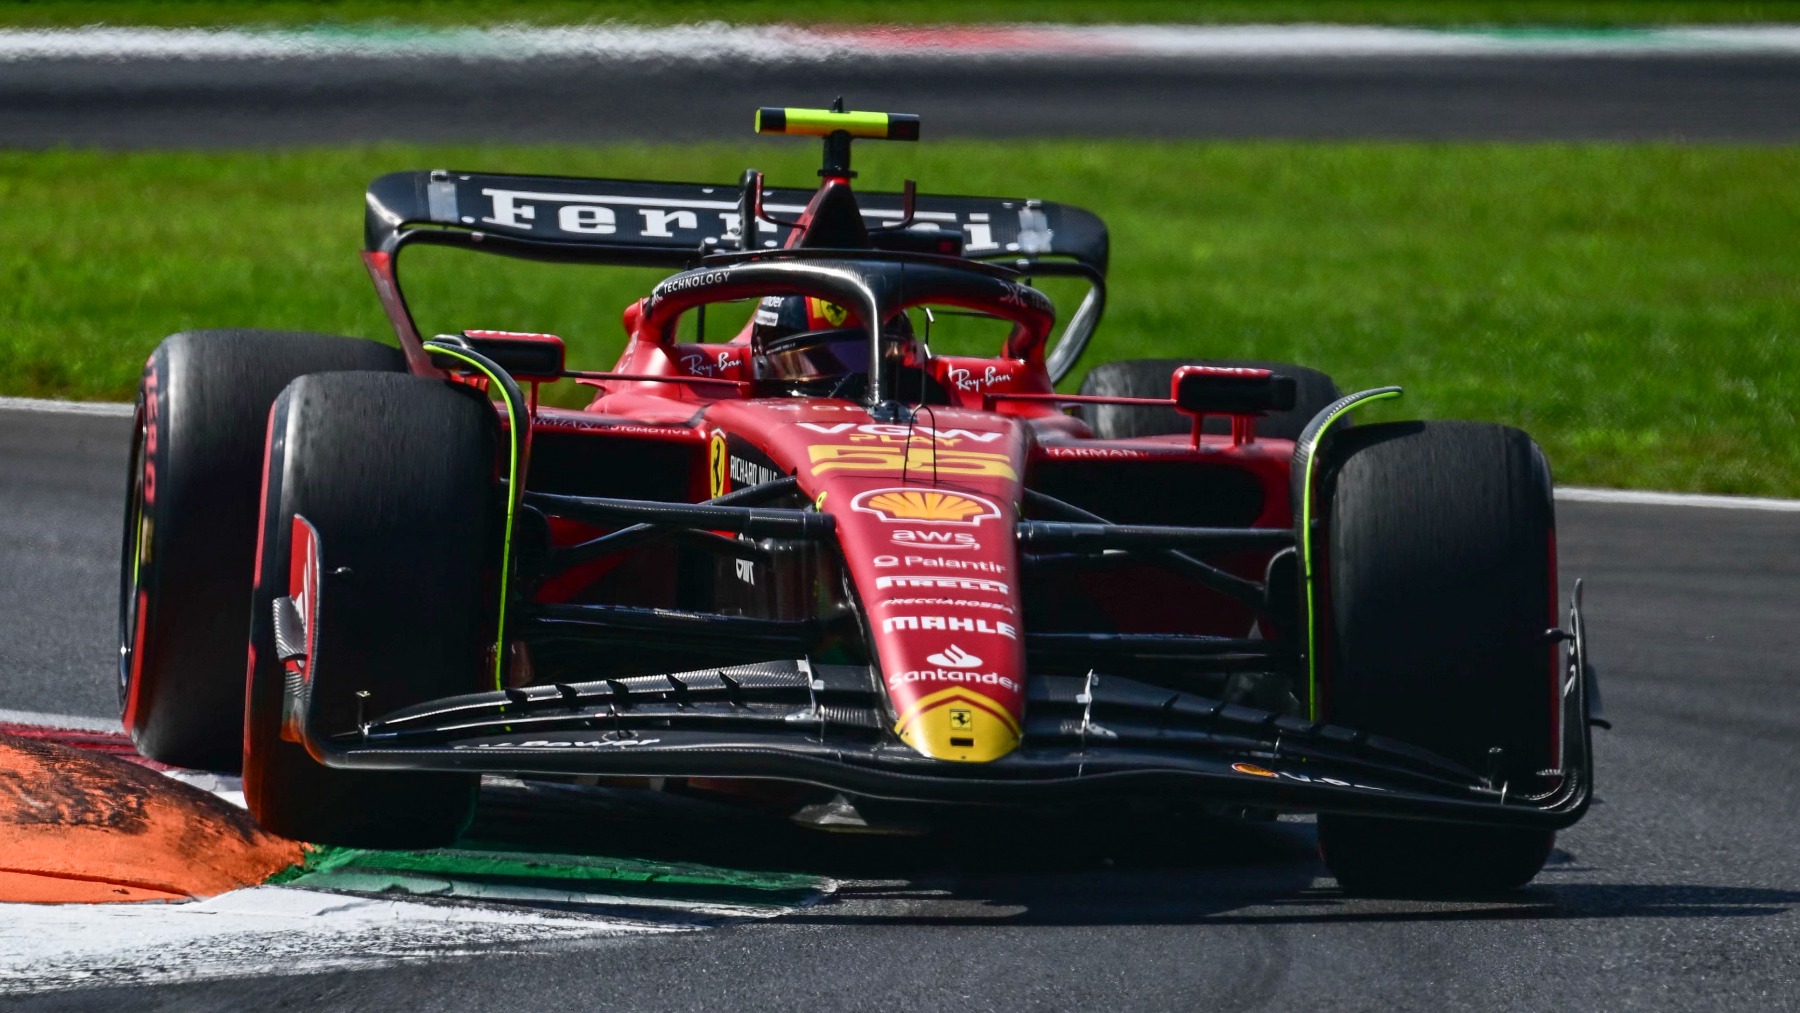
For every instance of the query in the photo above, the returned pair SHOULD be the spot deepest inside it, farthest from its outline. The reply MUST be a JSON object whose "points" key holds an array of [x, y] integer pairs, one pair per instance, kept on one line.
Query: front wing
{"points": [[1085, 738]]}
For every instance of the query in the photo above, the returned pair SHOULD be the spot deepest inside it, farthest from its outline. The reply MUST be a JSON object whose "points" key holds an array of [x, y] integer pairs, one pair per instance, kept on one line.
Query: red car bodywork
{"points": [[924, 510]]}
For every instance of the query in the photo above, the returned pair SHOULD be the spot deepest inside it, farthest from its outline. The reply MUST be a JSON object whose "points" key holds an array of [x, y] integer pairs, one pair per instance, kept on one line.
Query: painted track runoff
{"points": [[1681, 890]]}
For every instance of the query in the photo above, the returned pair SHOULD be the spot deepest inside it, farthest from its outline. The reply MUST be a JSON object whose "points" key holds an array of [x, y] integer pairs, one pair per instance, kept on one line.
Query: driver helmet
{"points": [[805, 339]]}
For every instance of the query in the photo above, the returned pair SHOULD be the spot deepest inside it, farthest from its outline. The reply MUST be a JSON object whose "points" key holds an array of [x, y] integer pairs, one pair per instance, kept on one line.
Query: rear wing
{"points": [[676, 225], [670, 224]]}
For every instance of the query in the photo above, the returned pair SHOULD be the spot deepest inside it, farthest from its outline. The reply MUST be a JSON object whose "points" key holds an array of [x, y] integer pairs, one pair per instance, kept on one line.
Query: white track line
{"points": [[264, 930], [712, 41], [1575, 494], [1572, 494], [47, 406], [71, 722]]}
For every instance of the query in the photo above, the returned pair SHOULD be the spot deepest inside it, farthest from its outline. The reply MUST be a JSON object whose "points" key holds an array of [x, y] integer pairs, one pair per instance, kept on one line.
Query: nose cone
{"points": [[959, 724], [937, 570], [925, 514]]}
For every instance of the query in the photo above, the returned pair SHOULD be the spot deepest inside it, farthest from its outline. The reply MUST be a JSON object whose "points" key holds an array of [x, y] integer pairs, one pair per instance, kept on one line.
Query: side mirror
{"points": [[533, 358], [1231, 390]]}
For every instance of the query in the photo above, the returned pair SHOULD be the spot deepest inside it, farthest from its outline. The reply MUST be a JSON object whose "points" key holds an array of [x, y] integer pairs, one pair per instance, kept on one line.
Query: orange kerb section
{"points": [[85, 827]]}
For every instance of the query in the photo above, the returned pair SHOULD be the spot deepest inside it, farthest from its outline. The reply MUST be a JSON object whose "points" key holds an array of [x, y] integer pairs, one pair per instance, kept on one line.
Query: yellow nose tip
{"points": [[960, 725]]}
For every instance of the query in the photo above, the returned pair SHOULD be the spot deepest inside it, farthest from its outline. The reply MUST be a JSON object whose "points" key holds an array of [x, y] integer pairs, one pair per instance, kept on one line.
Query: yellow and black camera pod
{"points": [[825, 122], [838, 128]]}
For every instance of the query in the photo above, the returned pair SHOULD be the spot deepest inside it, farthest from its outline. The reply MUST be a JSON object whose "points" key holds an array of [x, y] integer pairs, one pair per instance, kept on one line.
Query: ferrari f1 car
{"points": [[821, 554]]}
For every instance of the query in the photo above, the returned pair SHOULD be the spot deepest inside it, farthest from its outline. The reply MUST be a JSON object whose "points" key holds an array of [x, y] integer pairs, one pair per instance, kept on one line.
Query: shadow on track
{"points": [[680, 827], [1112, 868], [1182, 900]]}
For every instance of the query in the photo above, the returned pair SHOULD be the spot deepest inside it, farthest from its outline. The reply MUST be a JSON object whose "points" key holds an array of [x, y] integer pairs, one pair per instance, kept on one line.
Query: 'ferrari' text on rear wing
{"points": [[671, 223]]}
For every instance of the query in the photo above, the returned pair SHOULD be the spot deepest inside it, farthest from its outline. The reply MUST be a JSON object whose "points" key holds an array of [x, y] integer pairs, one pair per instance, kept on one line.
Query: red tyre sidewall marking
{"points": [[256, 581], [150, 423], [262, 496]]}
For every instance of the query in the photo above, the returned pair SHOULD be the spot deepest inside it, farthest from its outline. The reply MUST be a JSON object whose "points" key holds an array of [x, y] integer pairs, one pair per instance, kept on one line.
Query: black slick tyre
{"points": [[190, 529], [1436, 551], [396, 476], [1398, 858], [1150, 378]]}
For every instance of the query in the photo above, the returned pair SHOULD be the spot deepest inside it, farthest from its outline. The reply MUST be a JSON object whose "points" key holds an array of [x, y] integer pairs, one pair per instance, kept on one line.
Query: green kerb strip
{"points": [[516, 437], [334, 868], [1306, 553]]}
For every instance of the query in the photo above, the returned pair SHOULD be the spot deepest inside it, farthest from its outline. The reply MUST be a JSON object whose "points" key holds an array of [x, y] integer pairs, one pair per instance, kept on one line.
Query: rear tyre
{"points": [[190, 529], [1150, 378], [1438, 578], [396, 476]]}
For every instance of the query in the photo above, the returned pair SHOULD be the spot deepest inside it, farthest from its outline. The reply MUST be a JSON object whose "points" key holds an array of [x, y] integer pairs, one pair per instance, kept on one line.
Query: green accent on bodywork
{"points": [[515, 438], [471, 869], [137, 540], [1306, 553]]}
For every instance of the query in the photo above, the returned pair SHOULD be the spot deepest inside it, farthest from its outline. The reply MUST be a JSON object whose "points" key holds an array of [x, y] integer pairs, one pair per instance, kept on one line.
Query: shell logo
{"points": [[925, 506]]}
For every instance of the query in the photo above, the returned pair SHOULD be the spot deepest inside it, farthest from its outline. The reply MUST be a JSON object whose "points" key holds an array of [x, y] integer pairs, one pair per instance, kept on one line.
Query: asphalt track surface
{"points": [[232, 103], [1680, 890]]}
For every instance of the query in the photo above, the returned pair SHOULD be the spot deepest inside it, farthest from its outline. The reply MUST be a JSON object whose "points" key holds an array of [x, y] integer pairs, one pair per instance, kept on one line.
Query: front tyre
{"points": [[1400, 858], [395, 476], [191, 517], [1435, 562]]}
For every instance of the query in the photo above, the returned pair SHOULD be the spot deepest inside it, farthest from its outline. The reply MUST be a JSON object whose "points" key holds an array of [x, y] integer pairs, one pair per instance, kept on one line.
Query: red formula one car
{"points": [[821, 554]]}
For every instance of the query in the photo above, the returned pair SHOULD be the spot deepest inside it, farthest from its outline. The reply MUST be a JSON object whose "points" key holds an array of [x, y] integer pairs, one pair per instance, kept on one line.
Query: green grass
{"points": [[1635, 307], [1563, 13]]}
